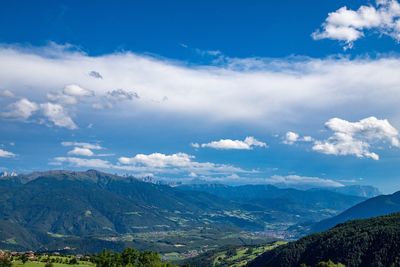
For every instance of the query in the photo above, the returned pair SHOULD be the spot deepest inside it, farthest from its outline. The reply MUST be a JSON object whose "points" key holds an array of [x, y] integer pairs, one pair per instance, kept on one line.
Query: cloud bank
{"points": [[253, 91]]}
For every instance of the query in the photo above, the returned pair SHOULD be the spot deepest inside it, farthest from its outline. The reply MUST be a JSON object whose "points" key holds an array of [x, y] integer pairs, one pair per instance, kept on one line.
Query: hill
{"points": [[368, 242], [380, 205]]}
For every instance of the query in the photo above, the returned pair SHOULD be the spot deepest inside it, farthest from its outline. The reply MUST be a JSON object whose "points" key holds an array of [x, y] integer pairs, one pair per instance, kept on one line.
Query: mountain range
{"points": [[92, 210], [380, 205]]}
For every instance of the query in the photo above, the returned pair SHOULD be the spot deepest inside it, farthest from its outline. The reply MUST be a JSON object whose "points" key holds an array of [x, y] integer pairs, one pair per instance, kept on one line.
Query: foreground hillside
{"points": [[368, 242]]}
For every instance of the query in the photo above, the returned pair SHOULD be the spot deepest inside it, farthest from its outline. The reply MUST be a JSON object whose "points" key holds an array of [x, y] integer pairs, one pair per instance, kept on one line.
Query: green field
{"points": [[41, 264], [232, 256]]}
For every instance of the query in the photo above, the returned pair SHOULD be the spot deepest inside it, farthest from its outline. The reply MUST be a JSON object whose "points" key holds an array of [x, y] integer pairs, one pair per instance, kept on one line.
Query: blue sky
{"points": [[303, 93]]}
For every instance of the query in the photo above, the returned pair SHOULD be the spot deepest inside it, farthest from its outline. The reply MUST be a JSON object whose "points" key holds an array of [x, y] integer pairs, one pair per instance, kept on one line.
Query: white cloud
{"points": [[302, 181], [79, 151], [83, 163], [179, 161], [159, 160], [252, 92], [24, 109], [356, 138], [7, 93], [348, 25], [77, 91], [6, 154], [62, 98], [224, 144], [21, 110], [82, 145], [292, 137], [56, 114]]}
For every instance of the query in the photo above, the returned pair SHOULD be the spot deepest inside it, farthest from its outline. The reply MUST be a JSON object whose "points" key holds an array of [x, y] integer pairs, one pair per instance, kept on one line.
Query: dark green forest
{"points": [[367, 242]]}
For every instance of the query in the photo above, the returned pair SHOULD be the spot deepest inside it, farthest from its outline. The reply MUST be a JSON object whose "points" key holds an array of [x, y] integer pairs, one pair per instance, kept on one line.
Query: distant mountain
{"points": [[356, 190], [8, 174], [297, 202], [92, 210], [380, 205], [369, 242]]}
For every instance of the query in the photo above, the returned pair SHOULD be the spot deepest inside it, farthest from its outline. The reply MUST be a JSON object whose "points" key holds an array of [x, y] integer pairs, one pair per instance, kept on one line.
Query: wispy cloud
{"points": [[82, 144], [302, 181]]}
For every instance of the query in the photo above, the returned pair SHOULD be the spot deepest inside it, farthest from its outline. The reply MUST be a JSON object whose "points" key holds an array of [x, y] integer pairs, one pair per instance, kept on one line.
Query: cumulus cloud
{"points": [[79, 151], [77, 91], [62, 98], [56, 114], [292, 137], [70, 95], [22, 109], [178, 161], [348, 25], [226, 144], [356, 138], [159, 160], [6, 154]]}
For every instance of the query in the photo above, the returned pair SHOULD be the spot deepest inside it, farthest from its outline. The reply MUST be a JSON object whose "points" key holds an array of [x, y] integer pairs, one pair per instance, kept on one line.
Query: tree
{"points": [[24, 258], [5, 261], [130, 256], [73, 261]]}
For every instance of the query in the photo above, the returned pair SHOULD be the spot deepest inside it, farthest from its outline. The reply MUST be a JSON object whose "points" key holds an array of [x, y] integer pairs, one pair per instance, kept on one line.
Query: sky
{"points": [[296, 93]]}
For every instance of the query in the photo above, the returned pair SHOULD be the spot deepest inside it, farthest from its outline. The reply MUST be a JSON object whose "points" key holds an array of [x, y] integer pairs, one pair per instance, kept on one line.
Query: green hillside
{"points": [[368, 242], [231, 256]]}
